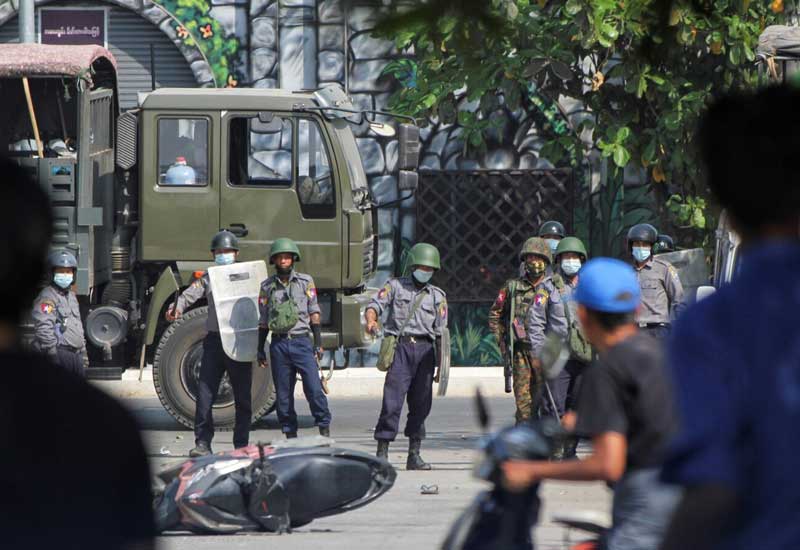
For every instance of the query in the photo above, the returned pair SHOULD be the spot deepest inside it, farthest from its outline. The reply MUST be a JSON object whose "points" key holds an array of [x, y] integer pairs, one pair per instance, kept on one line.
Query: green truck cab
{"points": [[139, 195]]}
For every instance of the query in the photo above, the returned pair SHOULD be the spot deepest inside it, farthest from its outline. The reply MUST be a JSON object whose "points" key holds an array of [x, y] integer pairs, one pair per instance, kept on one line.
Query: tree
{"points": [[644, 69]]}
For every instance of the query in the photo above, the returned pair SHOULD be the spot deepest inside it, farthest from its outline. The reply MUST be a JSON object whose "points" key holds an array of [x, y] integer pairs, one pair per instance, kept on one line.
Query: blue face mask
{"points": [[421, 276], [571, 266], [641, 253], [63, 280], [225, 259], [553, 244]]}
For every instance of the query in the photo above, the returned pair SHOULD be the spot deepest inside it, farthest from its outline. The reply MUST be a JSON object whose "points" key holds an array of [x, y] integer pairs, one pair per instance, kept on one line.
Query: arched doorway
{"points": [[129, 38]]}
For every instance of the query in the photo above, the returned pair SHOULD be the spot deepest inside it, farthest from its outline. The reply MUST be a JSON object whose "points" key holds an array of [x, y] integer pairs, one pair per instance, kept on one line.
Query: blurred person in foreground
{"points": [[735, 356], [73, 472], [624, 407]]}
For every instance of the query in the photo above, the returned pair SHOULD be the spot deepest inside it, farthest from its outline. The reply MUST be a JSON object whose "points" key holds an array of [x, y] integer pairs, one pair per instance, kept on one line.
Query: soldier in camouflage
{"points": [[518, 294]]}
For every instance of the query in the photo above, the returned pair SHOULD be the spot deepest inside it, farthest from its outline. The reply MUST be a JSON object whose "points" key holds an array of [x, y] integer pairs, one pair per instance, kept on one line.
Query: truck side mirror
{"points": [[127, 133], [704, 292], [407, 181], [408, 147]]}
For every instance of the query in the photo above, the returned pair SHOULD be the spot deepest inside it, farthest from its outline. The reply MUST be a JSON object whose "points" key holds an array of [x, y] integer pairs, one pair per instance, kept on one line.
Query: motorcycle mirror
{"points": [[483, 410], [555, 355]]}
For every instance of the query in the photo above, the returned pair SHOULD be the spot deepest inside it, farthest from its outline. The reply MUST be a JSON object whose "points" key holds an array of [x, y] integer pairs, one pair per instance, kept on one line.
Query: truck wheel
{"points": [[176, 366]]}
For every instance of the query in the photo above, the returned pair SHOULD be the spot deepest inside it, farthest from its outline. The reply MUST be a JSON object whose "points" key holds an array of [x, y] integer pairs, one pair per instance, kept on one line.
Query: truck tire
{"points": [[177, 363]]}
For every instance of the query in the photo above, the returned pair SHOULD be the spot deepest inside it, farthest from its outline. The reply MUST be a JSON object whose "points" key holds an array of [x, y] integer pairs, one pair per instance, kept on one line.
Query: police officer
{"points": [[662, 292], [554, 311], [417, 313], [552, 232], [664, 244], [58, 330], [519, 293], [215, 363], [289, 308]]}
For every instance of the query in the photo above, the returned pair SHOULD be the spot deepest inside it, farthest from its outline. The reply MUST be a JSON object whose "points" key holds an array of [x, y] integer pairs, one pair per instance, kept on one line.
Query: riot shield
{"points": [[443, 357], [692, 269], [235, 288]]}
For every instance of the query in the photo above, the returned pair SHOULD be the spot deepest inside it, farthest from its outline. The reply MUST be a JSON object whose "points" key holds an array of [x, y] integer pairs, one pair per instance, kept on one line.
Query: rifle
{"points": [[508, 367]]}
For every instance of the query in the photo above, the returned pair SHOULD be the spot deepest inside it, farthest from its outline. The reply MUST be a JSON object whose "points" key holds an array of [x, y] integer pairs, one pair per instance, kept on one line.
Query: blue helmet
{"points": [[62, 258], [609, 286]]}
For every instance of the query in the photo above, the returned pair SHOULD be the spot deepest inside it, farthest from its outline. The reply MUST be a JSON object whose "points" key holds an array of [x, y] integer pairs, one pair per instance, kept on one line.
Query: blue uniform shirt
{"points": [[735, 362]]}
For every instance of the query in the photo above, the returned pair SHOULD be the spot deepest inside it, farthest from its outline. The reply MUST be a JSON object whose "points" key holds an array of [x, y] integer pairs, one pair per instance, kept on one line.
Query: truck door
{"points": [[278, 182], [179, 185]]}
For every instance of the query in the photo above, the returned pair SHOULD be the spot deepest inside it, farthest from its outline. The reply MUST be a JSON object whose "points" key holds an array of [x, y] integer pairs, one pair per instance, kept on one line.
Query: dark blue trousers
{"points": [[288, 357], [215, 364], [565, 388], [410, 377], [71, 360]]}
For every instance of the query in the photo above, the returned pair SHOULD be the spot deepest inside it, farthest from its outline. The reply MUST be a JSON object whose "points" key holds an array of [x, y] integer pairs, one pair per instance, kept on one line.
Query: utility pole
{"points": [[27, 24]]}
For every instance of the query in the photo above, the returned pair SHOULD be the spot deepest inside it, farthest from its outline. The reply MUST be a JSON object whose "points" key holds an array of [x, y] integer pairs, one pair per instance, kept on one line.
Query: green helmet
{"points": [[424, 254], [284, 244], [224, 240], [538, 246], [571, 244]]}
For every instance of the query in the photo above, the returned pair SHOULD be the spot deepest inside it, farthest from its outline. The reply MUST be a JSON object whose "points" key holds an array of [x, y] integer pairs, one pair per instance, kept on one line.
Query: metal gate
{"points": [[480, 219]]}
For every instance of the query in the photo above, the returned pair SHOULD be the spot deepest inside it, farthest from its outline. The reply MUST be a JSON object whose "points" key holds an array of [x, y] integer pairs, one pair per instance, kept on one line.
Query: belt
{"points": [[415, 339], [653, 325], [288, 336], [67, 347]]}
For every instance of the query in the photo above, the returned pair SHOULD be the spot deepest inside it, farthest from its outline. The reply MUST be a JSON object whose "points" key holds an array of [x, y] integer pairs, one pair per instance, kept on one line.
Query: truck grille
{"points": [[368, 265]]}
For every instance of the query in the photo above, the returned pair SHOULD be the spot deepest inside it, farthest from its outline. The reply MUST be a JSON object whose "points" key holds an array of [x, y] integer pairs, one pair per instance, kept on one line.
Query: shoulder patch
{"points": [[47, 307], [501, 296], [443, 310], [385, 289], [311, 289], [541, 297]]}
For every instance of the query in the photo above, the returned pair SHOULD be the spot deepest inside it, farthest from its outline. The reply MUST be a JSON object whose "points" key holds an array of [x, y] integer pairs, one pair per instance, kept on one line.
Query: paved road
{"points": [[401, 519]]}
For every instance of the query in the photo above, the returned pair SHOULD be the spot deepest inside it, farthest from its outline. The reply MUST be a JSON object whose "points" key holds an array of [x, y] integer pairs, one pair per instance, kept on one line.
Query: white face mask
{"points": [[641, 253], [571, 266], [422, 277], [226, 258]]}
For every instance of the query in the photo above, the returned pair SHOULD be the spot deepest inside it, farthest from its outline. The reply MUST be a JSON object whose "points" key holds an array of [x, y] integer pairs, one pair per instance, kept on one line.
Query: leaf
{"points": [[622, 135], [573, 7], [658, 174], [698, 219], [561, 69], [534, 67], [621, 156]]}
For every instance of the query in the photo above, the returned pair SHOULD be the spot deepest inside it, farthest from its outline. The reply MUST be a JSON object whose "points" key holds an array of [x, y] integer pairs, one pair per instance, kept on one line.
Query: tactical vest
{"points": [[520, 301], [284, 316], [578, 346]]}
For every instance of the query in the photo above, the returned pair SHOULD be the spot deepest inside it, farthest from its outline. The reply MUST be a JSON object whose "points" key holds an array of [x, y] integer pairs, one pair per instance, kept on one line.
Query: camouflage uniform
{"points": [[528, 382]]}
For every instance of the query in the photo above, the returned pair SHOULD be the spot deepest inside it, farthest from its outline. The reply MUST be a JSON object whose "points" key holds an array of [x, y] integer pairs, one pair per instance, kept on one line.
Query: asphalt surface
{"points": [[403, 518]]}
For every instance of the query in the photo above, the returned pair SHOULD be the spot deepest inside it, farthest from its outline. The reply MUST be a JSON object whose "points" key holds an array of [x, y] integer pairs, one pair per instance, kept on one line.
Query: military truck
{"points": [[138, 196]]}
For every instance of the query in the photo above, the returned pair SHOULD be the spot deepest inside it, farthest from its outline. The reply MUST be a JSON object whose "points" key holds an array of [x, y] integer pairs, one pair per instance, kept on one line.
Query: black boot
{"points": [[325, 431], [415, 461], [290, 435], [201, 448], [570, 448], [383, 449]]}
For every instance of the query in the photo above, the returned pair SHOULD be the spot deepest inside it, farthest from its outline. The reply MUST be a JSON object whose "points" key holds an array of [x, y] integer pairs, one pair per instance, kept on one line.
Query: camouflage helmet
{"points": [[284, 244], [62, 258], [424, 254], [224, 240], [571, 244], [538, 246], [552, 227], [664, 243]]}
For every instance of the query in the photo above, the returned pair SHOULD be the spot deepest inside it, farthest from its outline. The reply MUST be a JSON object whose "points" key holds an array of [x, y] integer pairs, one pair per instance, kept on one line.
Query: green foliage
{"points": [[196, 28], [644, 69], [471, 343]]}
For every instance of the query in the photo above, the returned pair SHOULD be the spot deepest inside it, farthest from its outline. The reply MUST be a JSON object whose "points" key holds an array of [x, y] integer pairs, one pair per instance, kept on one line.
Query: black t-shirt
{"points": [[626, 391], [73, 471]]}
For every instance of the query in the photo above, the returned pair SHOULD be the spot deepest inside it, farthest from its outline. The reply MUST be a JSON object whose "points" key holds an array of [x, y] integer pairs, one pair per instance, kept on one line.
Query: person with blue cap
{"points": [[624, 407]]}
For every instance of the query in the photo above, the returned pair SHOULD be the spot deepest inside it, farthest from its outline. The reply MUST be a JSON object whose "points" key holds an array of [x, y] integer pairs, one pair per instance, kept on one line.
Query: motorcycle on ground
{"points": [[267, 488]]}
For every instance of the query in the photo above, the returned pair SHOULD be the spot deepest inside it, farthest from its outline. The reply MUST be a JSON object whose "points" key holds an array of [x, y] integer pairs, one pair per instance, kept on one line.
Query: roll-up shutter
{"points": [[129, 39]]}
